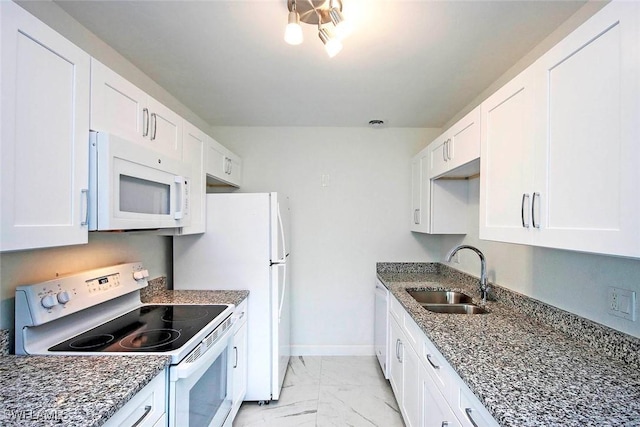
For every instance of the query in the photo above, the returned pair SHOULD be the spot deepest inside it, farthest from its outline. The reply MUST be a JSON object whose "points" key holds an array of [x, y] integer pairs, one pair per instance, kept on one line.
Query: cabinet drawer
{"points": [[471, 412], [145, 408], [397, 311], [438, 368]]}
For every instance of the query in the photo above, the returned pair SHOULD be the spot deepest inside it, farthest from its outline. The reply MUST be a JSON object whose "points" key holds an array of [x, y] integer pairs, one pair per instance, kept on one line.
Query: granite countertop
{"points": [[86, 390], [523, 368]]}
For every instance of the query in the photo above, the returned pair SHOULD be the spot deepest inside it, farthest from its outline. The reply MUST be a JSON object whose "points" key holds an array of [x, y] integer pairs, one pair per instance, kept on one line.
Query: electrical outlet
{"points": [[622, 303]]}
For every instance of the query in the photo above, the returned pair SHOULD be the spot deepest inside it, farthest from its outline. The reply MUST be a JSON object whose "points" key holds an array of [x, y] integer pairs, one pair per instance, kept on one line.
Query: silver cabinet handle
{"points": [[147, 409], [449, 148], [533, 210], [235, 364], [469, 411], [154, 127], [230, 166], [145, 121], [444, 151], [431, 362], [85, 205], [525, 196], [416, 216], [400, 359], [397, 353]]}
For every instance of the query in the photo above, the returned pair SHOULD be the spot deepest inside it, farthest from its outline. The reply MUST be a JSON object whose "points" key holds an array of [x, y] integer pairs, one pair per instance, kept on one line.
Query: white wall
{"points": [[573, 281], [103, 249], [339, 231]]}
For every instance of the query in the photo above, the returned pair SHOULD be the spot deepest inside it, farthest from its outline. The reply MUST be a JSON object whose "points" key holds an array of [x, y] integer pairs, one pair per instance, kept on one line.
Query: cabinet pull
{"points": [[401, 352], [147, 409], [230, 166], [444, 151], [533, 210], [145, 121], [469, 411], [397, 344], [416, 216], [154, 128], [525, 196], [431, 362], [84, 207], [235, 364], [449, 148]]}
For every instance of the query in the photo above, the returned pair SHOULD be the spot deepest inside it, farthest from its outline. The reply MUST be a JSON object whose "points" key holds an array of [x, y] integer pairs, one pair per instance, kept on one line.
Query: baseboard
{"points": [[332, 350]]}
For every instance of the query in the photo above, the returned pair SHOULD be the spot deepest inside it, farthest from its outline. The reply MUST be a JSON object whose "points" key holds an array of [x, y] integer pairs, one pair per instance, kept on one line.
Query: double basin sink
{"points": [[449, 302]]}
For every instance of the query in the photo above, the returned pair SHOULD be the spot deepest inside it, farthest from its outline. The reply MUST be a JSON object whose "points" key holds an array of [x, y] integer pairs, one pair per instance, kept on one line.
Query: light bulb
{"points": [[293, 31], [331, 44], [343, 27]]}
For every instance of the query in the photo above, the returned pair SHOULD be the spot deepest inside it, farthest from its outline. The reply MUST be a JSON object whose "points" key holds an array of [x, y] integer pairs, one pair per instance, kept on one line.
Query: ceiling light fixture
{"points": [[326, 14]]}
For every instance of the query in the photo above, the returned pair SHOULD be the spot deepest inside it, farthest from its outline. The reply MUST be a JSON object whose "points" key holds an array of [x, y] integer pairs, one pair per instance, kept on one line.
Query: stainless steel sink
{"points": [[455, 308], [447, 302], [440, 297]]}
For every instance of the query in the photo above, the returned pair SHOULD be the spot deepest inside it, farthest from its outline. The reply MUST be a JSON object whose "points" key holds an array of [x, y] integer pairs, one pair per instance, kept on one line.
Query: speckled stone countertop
{"points": [[86, 391], [524, 360], [71, 390]]}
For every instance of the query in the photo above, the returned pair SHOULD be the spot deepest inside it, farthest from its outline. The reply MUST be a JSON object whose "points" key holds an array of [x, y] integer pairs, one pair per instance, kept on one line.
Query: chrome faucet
{"points": [[484, 286]]}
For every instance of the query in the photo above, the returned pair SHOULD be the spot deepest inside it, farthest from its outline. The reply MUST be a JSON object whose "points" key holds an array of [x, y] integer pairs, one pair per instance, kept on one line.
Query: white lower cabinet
{"points": [[240, 344], [404, 377], [428, 390], [146, 409]]}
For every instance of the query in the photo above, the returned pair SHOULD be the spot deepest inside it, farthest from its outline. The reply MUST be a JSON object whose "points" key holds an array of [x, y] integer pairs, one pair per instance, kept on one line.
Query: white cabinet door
{"points": [[436, 412], [223, 167], [439, 206], [507, 151], [45, 135], [240, 344], [165, 129], [439, 156], [588, 158], [453, 152], [117, 106], [120, 108], [395, 364], [420, 192], [403, 375], [193, 146]]}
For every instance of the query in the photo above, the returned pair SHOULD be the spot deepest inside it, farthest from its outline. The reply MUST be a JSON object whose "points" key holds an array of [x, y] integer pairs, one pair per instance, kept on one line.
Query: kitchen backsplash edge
{"points": [[611, 342]]}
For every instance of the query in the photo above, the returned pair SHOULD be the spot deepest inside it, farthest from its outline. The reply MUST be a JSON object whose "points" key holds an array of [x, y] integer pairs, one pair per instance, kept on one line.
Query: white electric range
{"points": [[99, 312]]}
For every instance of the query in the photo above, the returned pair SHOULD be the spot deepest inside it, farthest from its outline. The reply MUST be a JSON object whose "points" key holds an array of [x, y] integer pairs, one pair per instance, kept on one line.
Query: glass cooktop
{"points": [[150, 328]]}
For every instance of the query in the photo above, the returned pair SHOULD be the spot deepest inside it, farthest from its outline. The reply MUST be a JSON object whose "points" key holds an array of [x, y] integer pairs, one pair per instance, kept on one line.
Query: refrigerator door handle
{"points": [[284, 245], [284, 289]]}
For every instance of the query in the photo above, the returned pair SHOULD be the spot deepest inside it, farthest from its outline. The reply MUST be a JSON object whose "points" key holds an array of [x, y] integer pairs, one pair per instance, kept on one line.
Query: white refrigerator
{"points": [[246, 246]]}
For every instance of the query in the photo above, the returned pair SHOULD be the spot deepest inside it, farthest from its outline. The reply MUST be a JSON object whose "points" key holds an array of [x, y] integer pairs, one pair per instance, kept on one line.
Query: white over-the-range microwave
{"points": [[132, 187]]}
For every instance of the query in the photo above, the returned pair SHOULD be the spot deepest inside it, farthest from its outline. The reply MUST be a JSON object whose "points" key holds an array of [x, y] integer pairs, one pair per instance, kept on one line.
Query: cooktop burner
{"points": [[149, 328]]}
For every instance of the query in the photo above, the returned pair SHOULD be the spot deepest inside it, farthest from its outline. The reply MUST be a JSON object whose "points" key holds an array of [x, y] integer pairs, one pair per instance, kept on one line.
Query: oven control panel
{"points": [[43, 302]]}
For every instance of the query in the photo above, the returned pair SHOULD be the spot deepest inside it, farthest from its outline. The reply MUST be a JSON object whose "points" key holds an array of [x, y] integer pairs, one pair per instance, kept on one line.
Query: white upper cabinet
{"points": [[120, 108], [223, 167], [457, 147], [194, 142], [439, 206], [45, 135], [588, 139], [560, 150], [506, 168], [420, 194]]}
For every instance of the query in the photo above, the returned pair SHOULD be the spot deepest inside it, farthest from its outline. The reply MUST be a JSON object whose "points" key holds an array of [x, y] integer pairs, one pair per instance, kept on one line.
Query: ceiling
{"points": [[409, 63]]}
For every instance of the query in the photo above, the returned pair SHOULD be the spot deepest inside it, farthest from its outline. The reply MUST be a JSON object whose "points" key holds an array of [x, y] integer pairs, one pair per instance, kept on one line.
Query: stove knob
{"points": [[64, 297], [139, 275], [49, 301]]}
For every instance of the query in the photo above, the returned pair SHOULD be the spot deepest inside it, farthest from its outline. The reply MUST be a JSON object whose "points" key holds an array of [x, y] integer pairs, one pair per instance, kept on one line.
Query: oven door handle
{"points": [[186, 368]]}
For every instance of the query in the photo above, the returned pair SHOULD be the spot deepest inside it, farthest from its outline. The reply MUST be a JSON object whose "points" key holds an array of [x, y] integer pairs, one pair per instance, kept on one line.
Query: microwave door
{"points": [[138, 188]]}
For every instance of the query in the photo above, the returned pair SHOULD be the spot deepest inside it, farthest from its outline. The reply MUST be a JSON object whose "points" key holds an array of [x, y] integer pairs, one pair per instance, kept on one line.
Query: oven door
{"points": [[200, 391], [133, 187]]}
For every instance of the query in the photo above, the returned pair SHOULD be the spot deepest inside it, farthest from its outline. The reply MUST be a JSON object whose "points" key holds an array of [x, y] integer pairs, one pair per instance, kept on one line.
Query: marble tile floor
{"points": [[327, 391]]}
